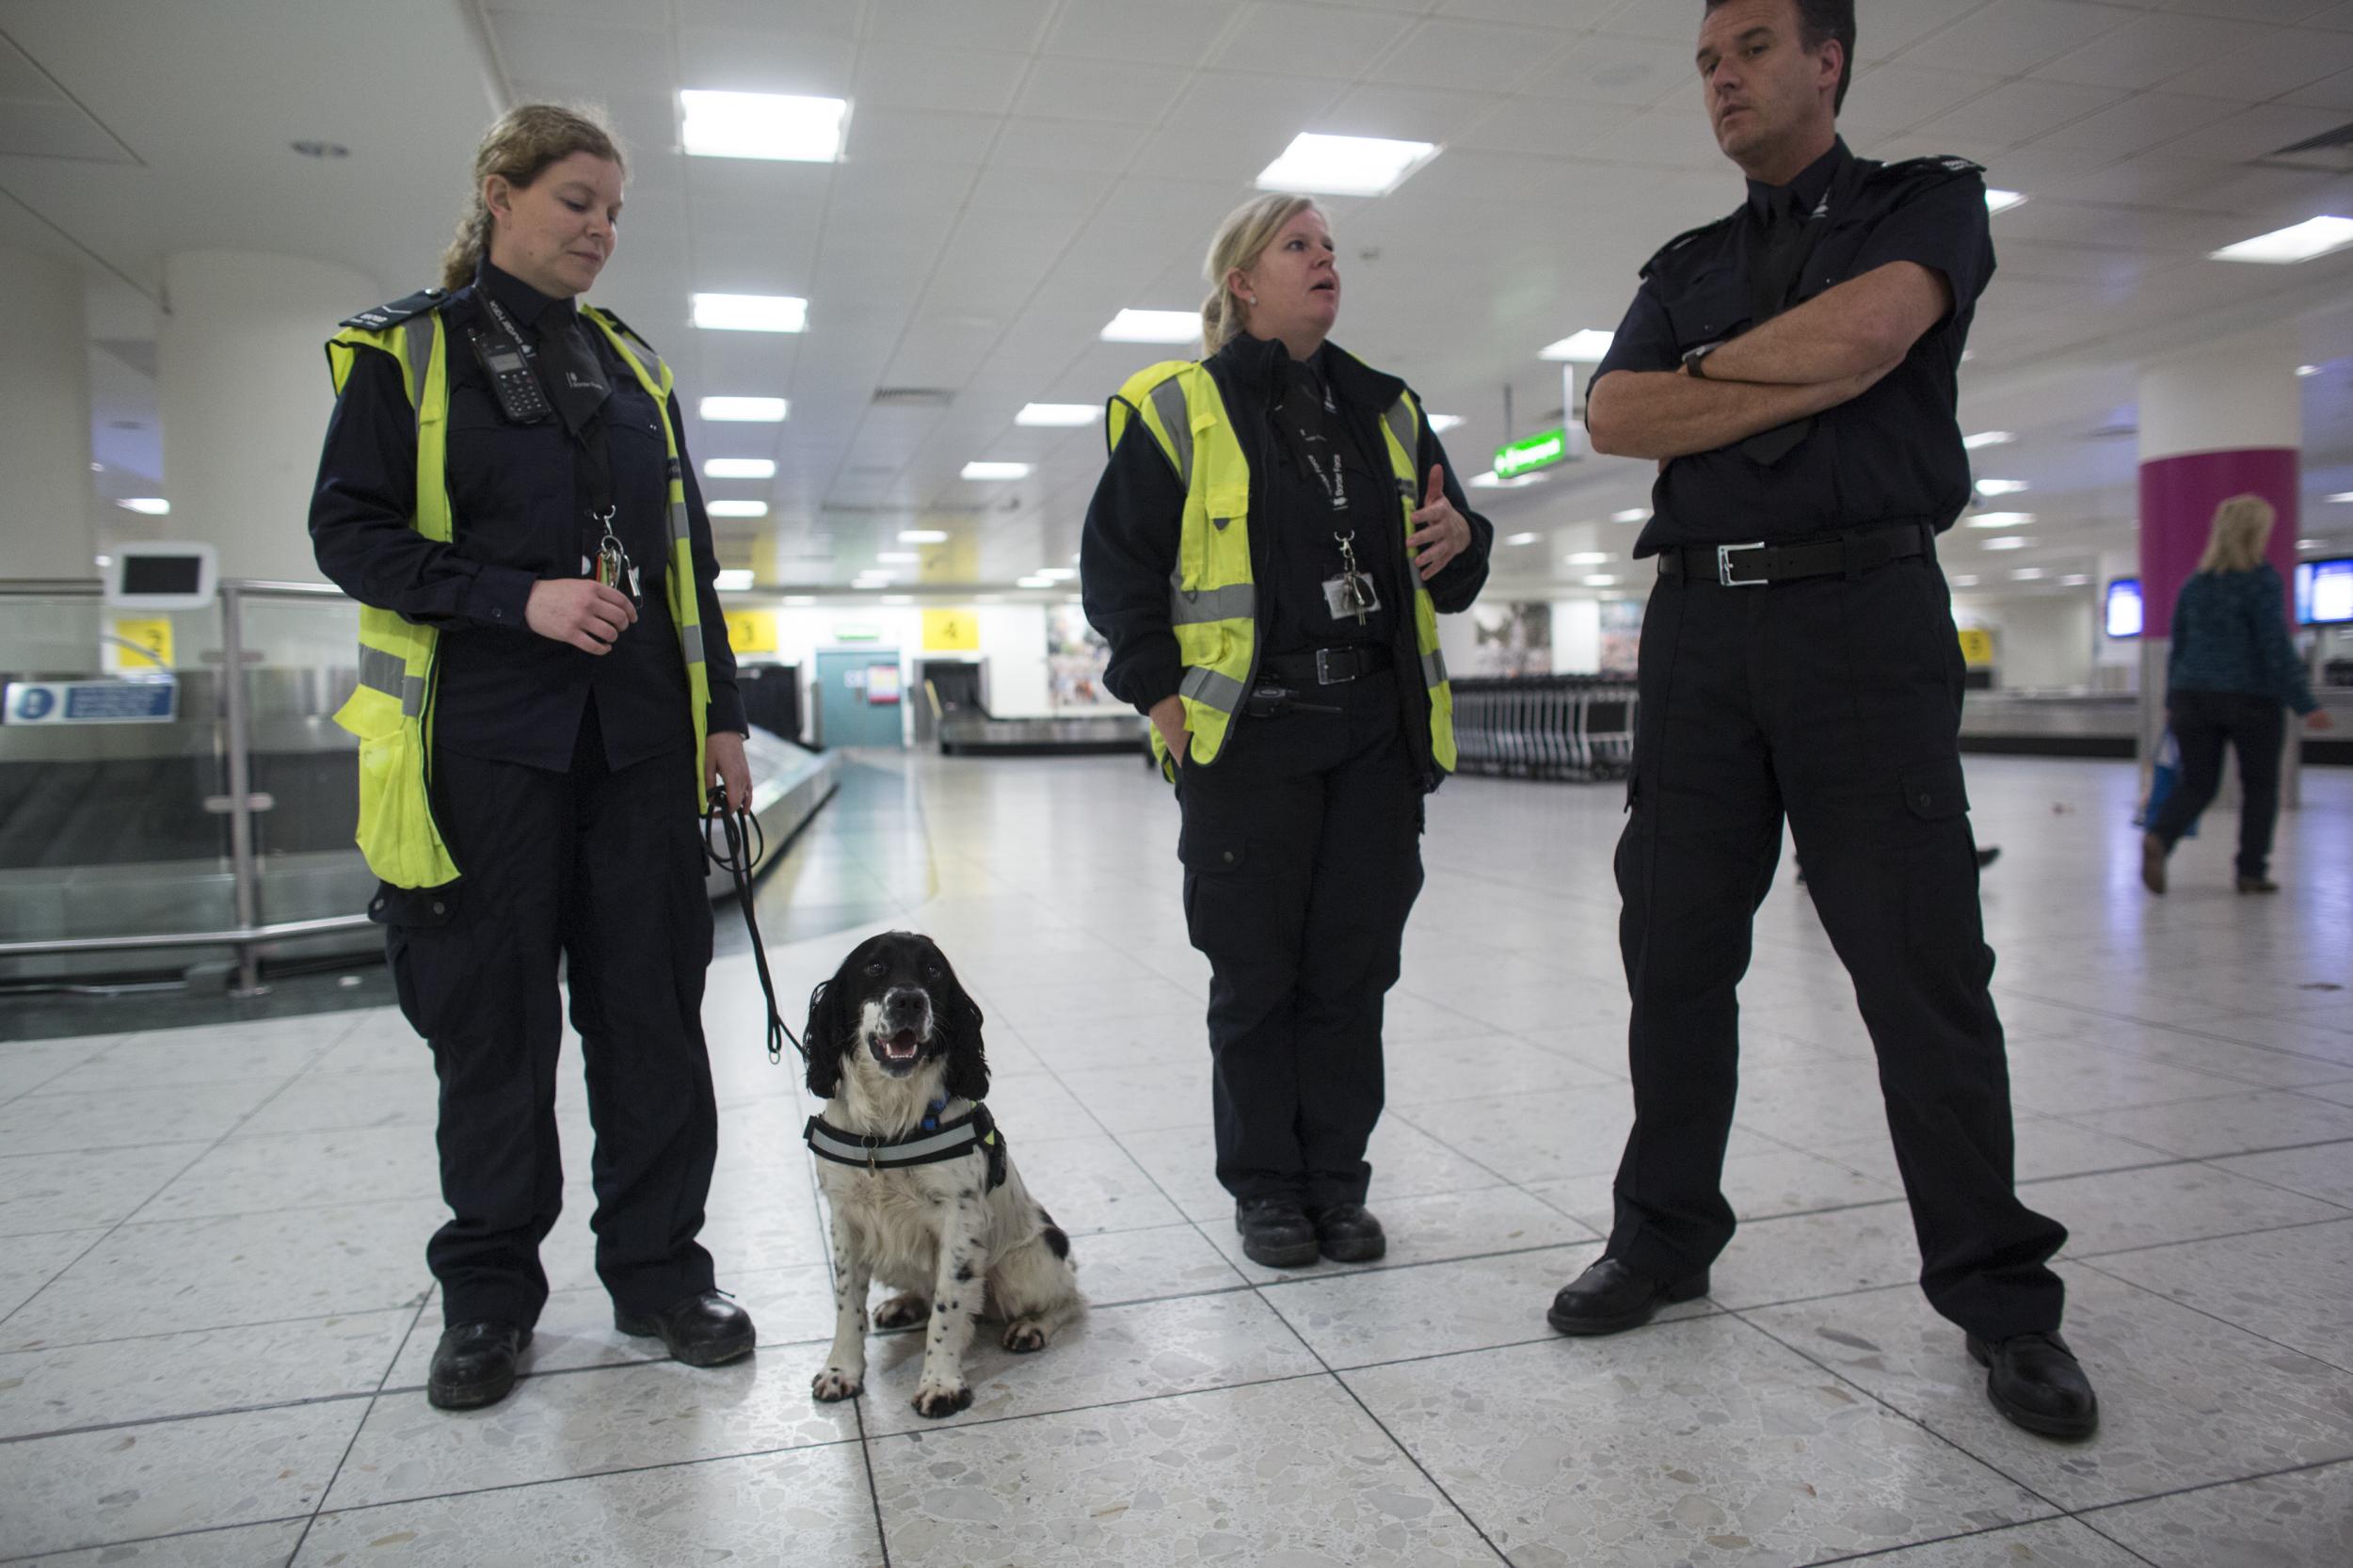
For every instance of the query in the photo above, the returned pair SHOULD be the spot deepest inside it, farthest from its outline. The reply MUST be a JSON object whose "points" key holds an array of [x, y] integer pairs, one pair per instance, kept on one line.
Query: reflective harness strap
{"points": [[975, 1130]]}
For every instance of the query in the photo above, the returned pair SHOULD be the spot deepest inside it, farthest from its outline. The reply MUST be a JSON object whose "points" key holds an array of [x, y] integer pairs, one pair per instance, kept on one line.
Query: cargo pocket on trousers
{"points": [[1217, 867], [412, 917], [1934, 791], [1939, 869]]}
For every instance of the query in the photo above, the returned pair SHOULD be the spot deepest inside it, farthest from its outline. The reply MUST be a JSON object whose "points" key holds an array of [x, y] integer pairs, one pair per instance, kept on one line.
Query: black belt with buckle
{"points": [[1754, 566], [1327, 667]]}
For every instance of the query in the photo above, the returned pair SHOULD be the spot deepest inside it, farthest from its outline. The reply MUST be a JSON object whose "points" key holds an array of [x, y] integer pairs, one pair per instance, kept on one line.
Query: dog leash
{"points": [[745, 847]]}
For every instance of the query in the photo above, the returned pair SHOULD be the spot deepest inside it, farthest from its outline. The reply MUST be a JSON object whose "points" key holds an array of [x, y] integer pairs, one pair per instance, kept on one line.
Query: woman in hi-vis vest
{"points": [[1267, 555], [545, 691]]}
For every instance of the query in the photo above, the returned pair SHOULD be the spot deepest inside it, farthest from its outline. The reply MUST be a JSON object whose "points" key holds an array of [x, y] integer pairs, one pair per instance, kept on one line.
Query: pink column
{"points": [[2178, 497]]}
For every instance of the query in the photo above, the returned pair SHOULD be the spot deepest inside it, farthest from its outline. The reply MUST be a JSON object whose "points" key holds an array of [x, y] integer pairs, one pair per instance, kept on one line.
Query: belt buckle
{"points": [[1324, 669], [1723, 565]]}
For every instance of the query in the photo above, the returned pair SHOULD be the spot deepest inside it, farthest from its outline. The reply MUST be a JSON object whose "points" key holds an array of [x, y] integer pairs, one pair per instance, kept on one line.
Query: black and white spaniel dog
{"points": [[922, 1194]]}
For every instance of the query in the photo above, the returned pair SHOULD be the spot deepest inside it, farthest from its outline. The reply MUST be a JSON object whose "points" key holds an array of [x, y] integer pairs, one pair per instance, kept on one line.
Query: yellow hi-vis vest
{"points": [[390, 711], [1213, 599]]}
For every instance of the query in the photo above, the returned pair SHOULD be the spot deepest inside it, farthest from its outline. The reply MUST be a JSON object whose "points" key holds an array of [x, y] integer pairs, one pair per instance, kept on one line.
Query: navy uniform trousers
{"points": [[1302, 848], [605, 871], [1835, 702]]}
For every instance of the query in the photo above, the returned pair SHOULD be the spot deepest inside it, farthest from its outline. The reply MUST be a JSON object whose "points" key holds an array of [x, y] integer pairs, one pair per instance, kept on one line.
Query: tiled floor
{"points": [[215, 1316]]}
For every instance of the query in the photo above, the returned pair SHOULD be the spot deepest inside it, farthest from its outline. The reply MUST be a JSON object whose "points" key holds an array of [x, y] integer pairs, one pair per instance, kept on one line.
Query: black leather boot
{"points": [[1610, 1298], [474, 1365], [1275, 1232], [2036, 1380], [704, 1330], [1348, 1233]]}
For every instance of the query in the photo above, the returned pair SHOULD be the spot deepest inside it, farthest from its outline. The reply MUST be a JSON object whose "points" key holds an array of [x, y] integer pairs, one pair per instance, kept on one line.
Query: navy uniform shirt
{"points": [[520, 498], [1315, 507], [1893, 455]]}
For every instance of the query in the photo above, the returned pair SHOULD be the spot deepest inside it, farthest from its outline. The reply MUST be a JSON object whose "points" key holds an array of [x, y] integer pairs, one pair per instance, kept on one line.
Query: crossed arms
{"points": [[1825, 352]]}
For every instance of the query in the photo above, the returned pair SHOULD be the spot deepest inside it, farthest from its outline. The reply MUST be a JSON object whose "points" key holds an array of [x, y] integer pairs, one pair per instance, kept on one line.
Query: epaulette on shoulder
{"points": [[382, 316], [1667, 250], [623, 327], [1927, 172]]}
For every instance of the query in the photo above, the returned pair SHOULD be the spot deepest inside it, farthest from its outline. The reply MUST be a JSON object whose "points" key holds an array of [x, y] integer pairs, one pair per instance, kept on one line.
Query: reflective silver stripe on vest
{"points": [[1401, 421], [1207, 687], [1433, 669], [384, 672], [1238, 602], [419, 332], [682, 524], [895, 1154], [690, 638], [1169, 398]]}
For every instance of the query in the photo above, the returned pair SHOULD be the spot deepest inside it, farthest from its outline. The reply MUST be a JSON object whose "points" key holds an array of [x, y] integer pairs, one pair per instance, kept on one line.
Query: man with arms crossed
{"points": [[1792, 369]]}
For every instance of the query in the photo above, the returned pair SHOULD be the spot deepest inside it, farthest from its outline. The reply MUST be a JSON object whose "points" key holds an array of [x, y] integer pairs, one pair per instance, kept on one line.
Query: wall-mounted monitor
{"points": [[2324, 592], [2123, 618], [146, 575]]}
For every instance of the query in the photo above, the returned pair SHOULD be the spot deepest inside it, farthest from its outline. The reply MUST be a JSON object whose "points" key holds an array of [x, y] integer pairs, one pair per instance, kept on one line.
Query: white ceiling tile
{"points": [[1164, 32], [1556, 127], [1408, 114], [716, 59], [925, 136], [628, 59], [1116, 90], [2335, 92], [1673, 133], [964, 24], [2255, 133], [2146, 51], [2277, 60], [823, 18], [2017, 112], [2152, 178], [1062, 144], [1636, 71], [910, 76], [2146, 120], [2279, 12], [1564, 15], [2014, 36], [1480, 56], [1886, 98], [1295, 40]]}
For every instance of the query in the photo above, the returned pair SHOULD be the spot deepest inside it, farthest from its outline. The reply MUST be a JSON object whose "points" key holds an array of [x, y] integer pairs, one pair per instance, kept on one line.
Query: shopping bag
{"points": [[2165, 775]]}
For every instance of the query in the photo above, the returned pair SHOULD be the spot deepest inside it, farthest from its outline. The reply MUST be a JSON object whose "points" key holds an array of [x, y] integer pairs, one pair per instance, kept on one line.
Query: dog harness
{"points": [[927, 1144]]}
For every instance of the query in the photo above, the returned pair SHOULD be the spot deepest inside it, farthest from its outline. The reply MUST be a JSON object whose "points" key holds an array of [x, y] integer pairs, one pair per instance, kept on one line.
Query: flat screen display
{"points": [[2324, 592], [2123, 613], [161, 574]]}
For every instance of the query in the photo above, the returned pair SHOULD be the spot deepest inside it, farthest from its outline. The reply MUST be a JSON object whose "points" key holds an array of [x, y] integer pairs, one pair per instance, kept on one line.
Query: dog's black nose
{"points": [[902, 1002]]}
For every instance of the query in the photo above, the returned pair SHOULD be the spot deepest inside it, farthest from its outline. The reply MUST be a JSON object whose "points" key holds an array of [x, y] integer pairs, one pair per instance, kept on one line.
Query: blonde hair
{"points": [[527, 139], [1247, 231], [2242, 527]]}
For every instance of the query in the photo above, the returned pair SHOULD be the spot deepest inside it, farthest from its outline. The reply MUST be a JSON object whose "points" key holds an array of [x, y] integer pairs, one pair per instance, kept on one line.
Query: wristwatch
{"points": [[1693, 359]]}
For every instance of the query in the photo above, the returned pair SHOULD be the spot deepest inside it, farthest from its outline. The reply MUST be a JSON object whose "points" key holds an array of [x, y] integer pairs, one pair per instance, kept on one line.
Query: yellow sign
{"points": [[752, 631], [952, 632], [1977, 646], [152, 637]]}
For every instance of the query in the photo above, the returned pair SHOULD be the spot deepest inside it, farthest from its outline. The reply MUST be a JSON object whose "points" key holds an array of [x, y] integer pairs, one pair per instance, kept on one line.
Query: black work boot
{"points": [[1275, 1232], [1610, 1298], [474, 1365], [2036, 1380], [704, 1330], [1348, 1233]]}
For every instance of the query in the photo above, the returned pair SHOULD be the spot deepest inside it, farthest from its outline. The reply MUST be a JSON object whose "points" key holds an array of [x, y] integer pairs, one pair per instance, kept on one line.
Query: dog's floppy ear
{"points": [[828, 1023], [967, 1063]]}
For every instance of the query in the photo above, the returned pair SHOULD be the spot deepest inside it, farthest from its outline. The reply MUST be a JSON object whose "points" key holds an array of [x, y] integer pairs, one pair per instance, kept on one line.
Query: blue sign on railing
{"points": [[91, 702]]}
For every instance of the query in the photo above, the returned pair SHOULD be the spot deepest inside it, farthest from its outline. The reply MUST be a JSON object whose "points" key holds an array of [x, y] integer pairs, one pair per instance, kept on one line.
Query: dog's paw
{"points": [[1025, 1335], [936, 1399], [832, 1385], [903, 1311]]}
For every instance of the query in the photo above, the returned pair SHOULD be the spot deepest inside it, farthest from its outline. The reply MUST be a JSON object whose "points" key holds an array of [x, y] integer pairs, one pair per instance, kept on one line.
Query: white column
{"points": [[45, 506], [244, 392]]}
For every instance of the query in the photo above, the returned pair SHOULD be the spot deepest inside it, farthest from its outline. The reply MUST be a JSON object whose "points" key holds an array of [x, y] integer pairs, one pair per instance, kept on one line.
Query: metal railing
{"points": [[249, 935]]}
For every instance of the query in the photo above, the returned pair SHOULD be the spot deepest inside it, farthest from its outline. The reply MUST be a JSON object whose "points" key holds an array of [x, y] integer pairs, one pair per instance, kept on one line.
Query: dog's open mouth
{"points": [[898, 1051]]}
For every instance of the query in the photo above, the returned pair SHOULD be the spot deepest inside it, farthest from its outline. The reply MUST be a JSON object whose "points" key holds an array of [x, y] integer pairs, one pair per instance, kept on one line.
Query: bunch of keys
{"points": [[1353, 591], [612, 567]]}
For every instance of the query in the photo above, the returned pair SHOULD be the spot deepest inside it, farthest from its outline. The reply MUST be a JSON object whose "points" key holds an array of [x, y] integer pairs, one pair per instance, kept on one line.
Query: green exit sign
{"points": [[1541, 450]]}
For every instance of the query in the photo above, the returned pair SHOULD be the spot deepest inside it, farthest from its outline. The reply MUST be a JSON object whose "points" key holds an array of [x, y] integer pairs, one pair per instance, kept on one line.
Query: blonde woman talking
{"points": [[2232, 667], [1267, 553]]}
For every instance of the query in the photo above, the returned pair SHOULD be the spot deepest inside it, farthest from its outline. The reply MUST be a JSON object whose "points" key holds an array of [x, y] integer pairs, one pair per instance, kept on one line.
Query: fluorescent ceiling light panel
{"points": [[739, 468], [2340, 496], [2008, 541], [1033, 582], [2299, 242], [1056, 574], [1523, 538], [2300, 370], [1989, 438], [2074, 579], [1154, 326], [1064, 415], [1589, 558], [922, 536], [2026, 575], [736, 509], [750, 312], [996, 470], [1601, 582], [798, 600], [1632, 513], [147, 505], [734, 581], [753, 410], [898, 557], [1345, 165], [771, 125], [1590, 346], [2000, 487], [2001, 520], [1443, 422], [2003, 200], [1963, 582], [897, 599]]}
